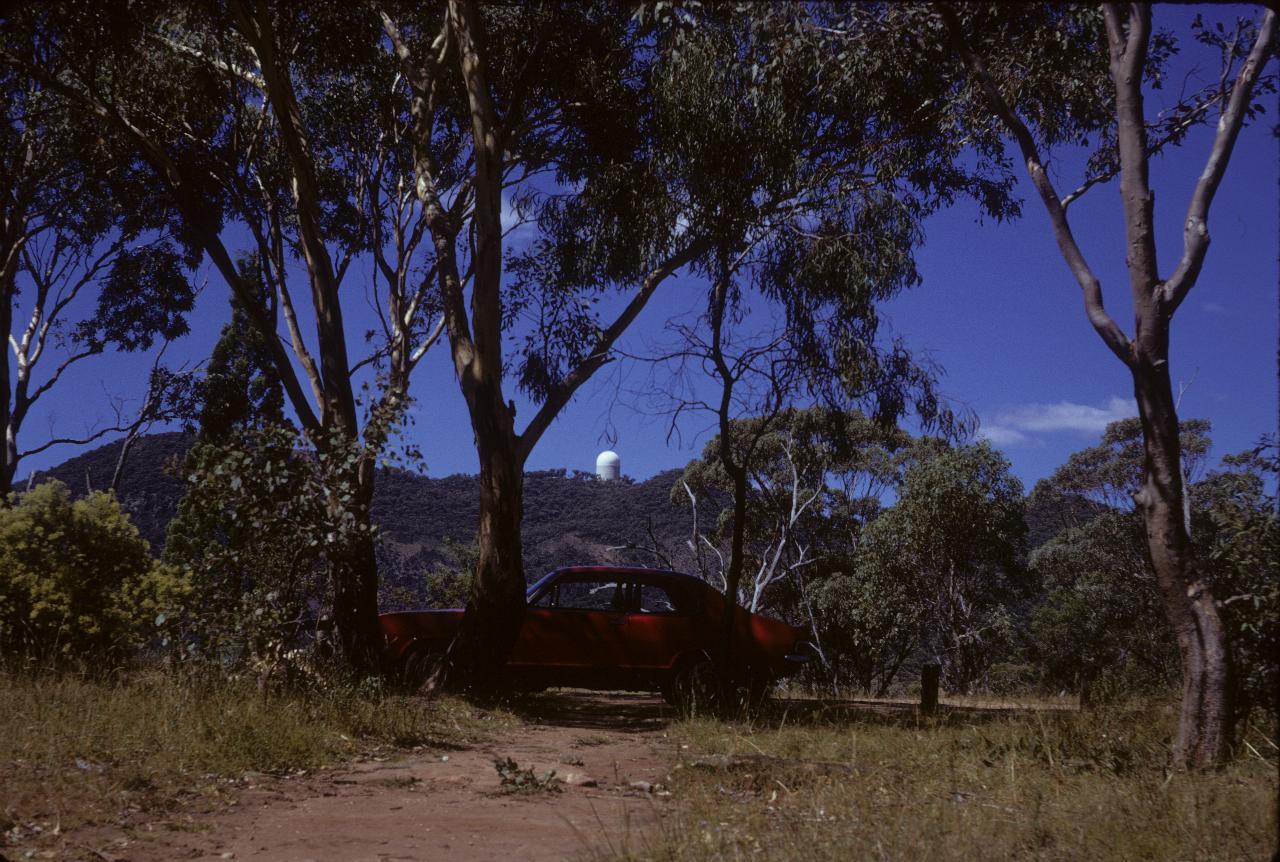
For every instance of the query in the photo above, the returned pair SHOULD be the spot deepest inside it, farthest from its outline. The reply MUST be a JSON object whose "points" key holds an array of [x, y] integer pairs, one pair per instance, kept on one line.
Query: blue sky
{"points": [[998, 310]]}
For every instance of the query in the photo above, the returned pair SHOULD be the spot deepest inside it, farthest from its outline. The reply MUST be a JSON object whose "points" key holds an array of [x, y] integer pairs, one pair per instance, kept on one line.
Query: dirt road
{"points": [[610, 751]]}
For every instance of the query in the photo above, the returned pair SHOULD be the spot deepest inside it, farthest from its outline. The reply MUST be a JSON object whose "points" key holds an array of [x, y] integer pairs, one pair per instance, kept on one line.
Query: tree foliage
{"points": [[954, 538], [253, 528], [1098, 627], [77, 582]]}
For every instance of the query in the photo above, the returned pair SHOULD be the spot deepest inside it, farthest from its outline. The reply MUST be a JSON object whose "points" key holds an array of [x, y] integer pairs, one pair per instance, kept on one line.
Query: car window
{"points": [[585, 595], [658, 600]]}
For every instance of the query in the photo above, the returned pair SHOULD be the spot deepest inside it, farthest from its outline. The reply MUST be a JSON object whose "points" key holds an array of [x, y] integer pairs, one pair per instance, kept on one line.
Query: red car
{"points": [[606, 627]]}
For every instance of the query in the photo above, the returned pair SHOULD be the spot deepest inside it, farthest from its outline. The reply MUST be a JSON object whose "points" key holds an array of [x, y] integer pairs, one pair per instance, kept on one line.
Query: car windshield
{"points": [[537, 585]]}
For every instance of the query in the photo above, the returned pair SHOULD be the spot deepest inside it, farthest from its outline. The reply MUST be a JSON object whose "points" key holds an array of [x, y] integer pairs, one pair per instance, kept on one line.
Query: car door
{"points": [[574, 624], [661, 623]]}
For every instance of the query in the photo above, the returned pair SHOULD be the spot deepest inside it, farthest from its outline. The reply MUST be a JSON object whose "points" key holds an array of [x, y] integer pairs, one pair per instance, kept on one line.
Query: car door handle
{"points": [[617, 622]]}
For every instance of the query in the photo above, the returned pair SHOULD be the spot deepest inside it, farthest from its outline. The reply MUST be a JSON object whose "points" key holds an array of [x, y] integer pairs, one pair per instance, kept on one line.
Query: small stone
{"points": [[579, 779]]}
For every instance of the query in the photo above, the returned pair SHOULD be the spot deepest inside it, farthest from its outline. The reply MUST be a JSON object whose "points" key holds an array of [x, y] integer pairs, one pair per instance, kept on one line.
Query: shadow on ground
{"points": [[630, 712], [626, 712]]}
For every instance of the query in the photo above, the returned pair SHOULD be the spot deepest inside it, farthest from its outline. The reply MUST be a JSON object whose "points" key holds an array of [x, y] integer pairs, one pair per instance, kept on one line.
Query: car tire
{"points": [[419, 665], [695, 688]]}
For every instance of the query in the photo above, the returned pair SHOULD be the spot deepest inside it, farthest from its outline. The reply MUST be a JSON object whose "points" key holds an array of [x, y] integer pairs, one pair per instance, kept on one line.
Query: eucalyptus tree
{"points": [[273, 129], [955, 534], [76, 235], [1129, 52], [502, 98], [812, 180], [817, 478]]}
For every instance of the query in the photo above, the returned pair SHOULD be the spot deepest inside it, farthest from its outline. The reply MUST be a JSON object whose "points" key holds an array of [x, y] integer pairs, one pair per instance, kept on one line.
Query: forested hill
{"points": [[568, 518]]}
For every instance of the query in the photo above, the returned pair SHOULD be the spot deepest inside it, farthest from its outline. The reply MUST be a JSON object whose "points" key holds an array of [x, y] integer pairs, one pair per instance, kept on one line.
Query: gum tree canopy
{"points": [[270, 130], [77, 228]]}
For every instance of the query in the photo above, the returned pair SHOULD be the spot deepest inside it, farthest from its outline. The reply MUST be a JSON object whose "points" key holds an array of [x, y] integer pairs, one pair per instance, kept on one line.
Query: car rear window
{"points": [[658, 600]]}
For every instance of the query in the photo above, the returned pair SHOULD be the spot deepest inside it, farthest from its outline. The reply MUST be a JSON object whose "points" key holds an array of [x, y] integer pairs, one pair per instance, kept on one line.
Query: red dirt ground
{"points": [[445, 806]]}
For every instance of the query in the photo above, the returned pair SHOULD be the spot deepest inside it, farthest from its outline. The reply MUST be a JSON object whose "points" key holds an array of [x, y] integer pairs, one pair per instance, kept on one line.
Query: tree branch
{"points": [[600, 353], [1195, 230], [1102, 322]]}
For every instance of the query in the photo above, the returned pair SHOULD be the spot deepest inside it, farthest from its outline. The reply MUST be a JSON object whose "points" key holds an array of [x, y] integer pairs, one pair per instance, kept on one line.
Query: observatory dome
{"points": [[608, 465]]}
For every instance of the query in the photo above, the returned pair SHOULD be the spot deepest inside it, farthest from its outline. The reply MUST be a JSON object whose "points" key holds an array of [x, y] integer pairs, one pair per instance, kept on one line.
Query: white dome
{"points": [[608, 465]]}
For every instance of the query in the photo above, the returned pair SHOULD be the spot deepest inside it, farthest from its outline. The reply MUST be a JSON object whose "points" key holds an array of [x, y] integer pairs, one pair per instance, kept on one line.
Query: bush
{"points": [[252, 528], [76, 579]]}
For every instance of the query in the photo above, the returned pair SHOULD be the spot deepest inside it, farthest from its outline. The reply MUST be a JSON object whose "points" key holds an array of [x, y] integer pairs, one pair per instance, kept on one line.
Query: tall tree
{"points": [[532, 89], [812, 180], [955, 535], [264, 122], [1128, 45], [76, 231]]}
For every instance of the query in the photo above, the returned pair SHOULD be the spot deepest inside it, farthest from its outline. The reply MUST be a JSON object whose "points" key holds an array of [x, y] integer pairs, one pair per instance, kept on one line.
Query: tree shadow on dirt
{"points": [[828, 711], [626, 712], [631, 712]]}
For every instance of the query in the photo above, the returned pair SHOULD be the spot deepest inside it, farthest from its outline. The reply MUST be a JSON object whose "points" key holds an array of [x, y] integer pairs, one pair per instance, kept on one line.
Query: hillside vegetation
{"points": [[569, 518]]}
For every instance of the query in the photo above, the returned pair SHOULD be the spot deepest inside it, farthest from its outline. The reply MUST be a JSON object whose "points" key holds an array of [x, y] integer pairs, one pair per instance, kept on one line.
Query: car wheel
{"points": [[695, 690], [418, 666]]}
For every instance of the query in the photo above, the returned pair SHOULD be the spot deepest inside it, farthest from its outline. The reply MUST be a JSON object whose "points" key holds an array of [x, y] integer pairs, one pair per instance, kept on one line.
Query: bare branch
{"points": [[1105, 326], [601, 351], [1195, 230], [247, 75], [74, 441]]}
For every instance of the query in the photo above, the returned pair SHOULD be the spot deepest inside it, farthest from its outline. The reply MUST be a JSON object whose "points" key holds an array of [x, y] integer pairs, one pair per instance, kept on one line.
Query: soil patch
{"points": [[609, 754]]}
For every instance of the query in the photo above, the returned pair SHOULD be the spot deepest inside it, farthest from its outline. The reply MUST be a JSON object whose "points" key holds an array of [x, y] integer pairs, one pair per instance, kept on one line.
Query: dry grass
{"points": [[77, 752], [1057, 786]]}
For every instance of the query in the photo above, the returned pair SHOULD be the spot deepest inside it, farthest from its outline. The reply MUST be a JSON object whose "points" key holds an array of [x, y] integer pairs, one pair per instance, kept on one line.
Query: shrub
{"points": [[252, 528], [77, 581]]}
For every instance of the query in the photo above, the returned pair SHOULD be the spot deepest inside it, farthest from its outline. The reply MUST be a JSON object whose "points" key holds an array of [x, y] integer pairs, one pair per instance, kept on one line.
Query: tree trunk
{"points": [[496, 610], [1204, 723], [9, 457], [354, 569], [733, 577]]}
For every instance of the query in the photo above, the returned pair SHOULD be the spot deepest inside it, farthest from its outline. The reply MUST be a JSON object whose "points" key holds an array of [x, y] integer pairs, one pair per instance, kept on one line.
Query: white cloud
{"points": [[1016, 425], [1001, 436]]}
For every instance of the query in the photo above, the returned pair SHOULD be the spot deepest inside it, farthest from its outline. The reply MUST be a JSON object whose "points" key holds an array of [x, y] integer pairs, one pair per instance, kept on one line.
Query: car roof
{"points": [[622, 570], [683, 577]]}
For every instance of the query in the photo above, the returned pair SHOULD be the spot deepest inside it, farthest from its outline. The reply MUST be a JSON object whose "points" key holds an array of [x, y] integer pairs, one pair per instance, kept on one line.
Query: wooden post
{"points": [[929, 688]]}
